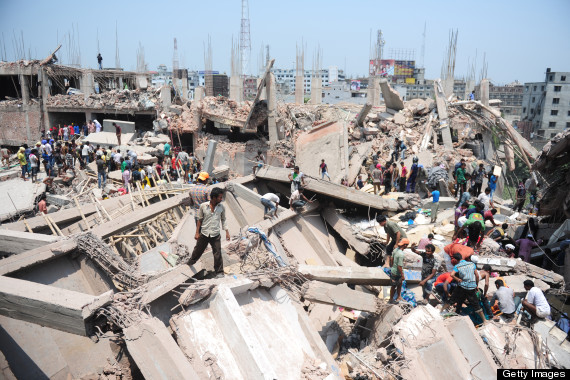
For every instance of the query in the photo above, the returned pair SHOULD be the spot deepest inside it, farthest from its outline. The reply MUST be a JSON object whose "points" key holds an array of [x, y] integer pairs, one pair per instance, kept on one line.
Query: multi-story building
{"points": [[547, 104], [286, 78]]}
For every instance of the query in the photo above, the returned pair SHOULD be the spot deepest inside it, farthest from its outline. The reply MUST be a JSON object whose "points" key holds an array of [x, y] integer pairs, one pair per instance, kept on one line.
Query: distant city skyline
{"points": [[518, 40]]}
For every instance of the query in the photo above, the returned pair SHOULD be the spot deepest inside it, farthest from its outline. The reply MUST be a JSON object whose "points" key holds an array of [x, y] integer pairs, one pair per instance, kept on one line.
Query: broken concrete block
{"points": [[58, 200], [399, 118], [175, 109], [98, 193], [391, 97], [370, 131], [110, 189]]}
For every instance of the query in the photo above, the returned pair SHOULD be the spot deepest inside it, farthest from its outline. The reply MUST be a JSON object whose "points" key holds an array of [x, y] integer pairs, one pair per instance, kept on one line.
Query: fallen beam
{"points": [[337, 191], [156, 353], [131, 220], [58, 308], [350, 275], [333, 218], [339, 295], [163, 284], [17, 242], [36, 256]]}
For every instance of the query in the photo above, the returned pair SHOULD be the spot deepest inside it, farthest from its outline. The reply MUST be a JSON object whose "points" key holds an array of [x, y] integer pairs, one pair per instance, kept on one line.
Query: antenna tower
{"points": [[245, 37]]}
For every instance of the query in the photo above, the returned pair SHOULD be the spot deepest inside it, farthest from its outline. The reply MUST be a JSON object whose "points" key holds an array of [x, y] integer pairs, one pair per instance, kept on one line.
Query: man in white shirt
{"points": [[298, 200], [271, 203], [485, 198], [535, 302]]}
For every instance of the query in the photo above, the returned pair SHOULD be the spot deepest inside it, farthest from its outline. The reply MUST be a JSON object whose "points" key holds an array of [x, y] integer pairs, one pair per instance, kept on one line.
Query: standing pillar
{"points": [[210, 155], [299, 89], [316, 90], [271, 108], [488, 148], [236, 88], [24, 84], [374, 91]]}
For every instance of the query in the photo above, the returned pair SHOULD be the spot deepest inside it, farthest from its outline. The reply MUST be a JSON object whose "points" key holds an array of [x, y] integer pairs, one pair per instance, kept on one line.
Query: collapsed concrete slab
{"points": [[339, 295], [328, 141], [245, 333], [156, 353], [349, 275], [58, 308], [36, 256], [17, 242], [336, 191]]}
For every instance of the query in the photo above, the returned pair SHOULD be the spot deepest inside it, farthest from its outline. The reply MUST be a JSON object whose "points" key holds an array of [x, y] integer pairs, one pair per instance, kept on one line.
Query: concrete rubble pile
{"points": [[103, 286], [119, 99]]}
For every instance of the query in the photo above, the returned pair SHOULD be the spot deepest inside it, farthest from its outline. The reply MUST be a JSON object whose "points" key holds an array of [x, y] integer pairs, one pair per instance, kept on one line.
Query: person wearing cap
{"points": [[199, 193], [210, 215], [510, 250], [376, 178], [270, 202], [323, 169], [394, 234], [525, 246], [465, 273], [397, 271]]}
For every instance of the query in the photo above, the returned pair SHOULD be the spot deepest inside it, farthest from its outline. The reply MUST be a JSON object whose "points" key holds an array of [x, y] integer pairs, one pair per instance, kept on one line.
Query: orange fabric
{"points": [[463, 250], [442, 278]]}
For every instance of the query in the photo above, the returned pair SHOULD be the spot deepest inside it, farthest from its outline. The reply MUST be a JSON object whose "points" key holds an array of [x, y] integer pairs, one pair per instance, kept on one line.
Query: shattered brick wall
{"points": [[13, 125]]}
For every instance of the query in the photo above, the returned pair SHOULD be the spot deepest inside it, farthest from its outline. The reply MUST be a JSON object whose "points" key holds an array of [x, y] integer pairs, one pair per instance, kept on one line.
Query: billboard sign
{"points": [[392, 68]]}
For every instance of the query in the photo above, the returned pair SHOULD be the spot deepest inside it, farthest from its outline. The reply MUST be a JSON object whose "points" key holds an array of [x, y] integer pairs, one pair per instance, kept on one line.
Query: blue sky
{"points": [[520, 38]]}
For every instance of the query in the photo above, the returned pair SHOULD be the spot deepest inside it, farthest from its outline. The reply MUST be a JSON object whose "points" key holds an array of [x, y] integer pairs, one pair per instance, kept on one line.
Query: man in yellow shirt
{"points": [[23, 162]]}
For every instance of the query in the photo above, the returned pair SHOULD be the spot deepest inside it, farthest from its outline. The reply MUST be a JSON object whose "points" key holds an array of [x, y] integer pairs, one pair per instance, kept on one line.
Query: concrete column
{"points": [[236, 88], [210, 156], [87, 84], [184, 94], [199, 93], [24, 83], [374, 91], [316, 90], [263, 95], [484, 87], [488, 148], [299, 90], [43, 98], [271, 108], [88, 116], [165, 96]]}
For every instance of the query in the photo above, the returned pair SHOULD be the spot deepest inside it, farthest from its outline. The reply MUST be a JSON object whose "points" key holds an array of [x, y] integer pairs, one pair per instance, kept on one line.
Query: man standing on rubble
{"points": [[323, 169], [521, 196], [184, 159], [101, 170], [402, 178], [117, 133], [100, 61], [461, 180], [434, 204], [297, 179], [199, 193], [467, 276], [486, 199], [412, 176], [397, 271], [478, 176], [394, 234], [429, 268], [210, 215], [377, 178]]}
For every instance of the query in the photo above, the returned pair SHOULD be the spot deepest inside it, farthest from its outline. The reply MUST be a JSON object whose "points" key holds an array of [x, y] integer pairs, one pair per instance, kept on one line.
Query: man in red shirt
{"points": [[444, 285]]}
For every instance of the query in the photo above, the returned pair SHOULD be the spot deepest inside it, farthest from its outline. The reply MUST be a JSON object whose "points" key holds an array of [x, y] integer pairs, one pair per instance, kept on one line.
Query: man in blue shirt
{"points": [[435, 204], [492, 185], [466, 275]]}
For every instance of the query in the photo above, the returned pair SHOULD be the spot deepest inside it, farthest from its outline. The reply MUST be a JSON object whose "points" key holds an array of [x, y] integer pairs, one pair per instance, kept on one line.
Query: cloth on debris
{"points": [[435, 174], [268, 245], [407, 295]]}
